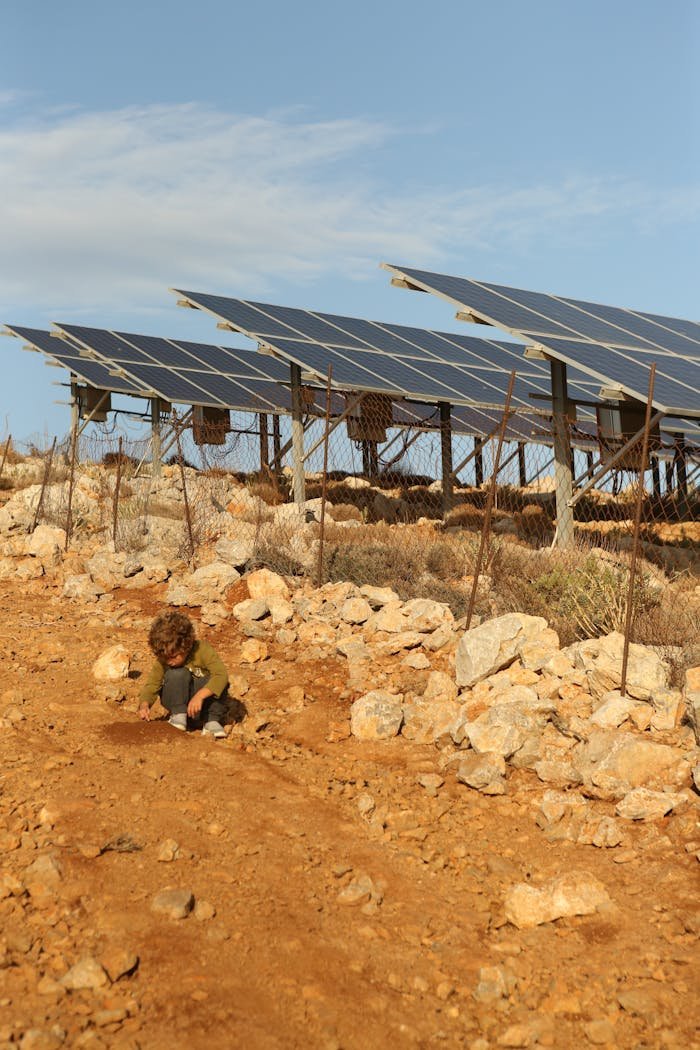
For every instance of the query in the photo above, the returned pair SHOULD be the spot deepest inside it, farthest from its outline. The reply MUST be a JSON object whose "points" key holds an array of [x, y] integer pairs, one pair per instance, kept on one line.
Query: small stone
{"points": [[169, 850], [174, 903], [112, 665], [575, 893], [432, 782], [645, 804], [253, 651], [600, 1032], [637, 1001], [43, 1038], [119, 962], [215, 829], [102, 1018], [203, 911], [48, 986], [376, 716], [86, 973]]}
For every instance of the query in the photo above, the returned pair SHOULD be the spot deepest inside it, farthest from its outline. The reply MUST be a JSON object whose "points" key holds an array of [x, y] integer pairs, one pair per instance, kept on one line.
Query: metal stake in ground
{"points": [[643, 459], [486, 528], [117, 486], [71, 483], [4, 455], [324, 482], [44, 481], [188, 516]]}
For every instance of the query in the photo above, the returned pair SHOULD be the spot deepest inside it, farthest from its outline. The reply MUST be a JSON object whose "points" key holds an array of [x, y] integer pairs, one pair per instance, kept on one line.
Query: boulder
{"points": [[214, 579], [377, 715], [601, 658], [632, 760], [493, 645], [614, 710], [47, 544], [483, 772], [575, 893], [266, 584], [644, 804], [234, 552], [112, 665]]}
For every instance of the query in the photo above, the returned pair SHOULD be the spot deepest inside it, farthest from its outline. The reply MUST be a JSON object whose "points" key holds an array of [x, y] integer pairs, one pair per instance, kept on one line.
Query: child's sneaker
{"points": [[178, 722], [214, 729]]}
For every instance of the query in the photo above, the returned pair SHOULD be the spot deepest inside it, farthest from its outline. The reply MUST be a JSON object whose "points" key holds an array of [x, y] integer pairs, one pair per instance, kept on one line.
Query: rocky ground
{"points": [[411, 836]]}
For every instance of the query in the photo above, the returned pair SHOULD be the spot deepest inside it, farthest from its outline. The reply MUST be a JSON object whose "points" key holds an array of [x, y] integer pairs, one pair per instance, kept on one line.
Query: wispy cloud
{"points": [[113, 207]]}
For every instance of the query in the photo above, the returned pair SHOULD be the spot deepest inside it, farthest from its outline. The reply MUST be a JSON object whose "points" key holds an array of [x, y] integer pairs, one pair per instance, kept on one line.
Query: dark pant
{"points": [[180, 685]]}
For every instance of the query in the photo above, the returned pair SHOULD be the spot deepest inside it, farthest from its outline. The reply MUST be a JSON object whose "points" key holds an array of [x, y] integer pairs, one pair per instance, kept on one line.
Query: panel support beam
{"points": [[563, 479], [264, 442], [298, 482], [446, 456], [156, 440]]}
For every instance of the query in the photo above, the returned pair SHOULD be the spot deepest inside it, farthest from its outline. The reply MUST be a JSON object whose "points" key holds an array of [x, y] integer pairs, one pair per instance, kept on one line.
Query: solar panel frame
{"points": [[94, 373]]}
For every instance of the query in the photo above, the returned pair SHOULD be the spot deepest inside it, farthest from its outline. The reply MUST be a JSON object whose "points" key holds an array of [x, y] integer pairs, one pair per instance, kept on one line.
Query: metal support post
{"points": [[446, 456], [370, 459], [156, 442], [276, 442], [564, 534], [478, 462], [264, 442], [656, 476], [298, 485], [522, 466]]}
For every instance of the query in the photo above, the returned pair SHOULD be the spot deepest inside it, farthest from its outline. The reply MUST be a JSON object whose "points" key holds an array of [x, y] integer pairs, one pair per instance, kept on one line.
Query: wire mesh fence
{"points": [[398, 505]]}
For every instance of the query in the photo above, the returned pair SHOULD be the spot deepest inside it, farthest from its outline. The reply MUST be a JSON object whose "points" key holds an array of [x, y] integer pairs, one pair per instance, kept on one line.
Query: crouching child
{"points": [[188, 676]]}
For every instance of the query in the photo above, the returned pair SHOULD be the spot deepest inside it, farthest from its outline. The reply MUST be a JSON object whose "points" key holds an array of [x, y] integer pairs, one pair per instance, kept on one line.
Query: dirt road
{"points": [[337, 902]]}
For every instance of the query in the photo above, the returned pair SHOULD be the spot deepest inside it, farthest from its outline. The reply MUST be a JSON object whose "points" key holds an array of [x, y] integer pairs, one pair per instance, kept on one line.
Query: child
{"points": [[188, 676]]}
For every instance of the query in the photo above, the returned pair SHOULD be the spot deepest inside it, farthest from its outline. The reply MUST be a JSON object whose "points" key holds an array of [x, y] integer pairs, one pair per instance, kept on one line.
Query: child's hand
{"points": [[145, 712], [195, 705]]}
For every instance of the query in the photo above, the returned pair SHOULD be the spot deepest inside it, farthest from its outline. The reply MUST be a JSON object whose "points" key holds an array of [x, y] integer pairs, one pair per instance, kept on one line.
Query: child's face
{"points": [[176, 660]]}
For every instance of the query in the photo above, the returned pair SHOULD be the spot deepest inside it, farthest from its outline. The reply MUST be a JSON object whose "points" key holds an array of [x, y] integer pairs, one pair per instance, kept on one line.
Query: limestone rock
{"points": [[86, 973], [47, 544], [376, 716], [440, 686], [112, 665], [483, 772], [378, 596], [575, 893], [81, 587], [494, 644], [601, 658], [266, 584], [614, 710], [253, 650], [214, 579], [355, 610], [234, 552], [251, 609], [632, 760], [176, 904], [644, 804]]}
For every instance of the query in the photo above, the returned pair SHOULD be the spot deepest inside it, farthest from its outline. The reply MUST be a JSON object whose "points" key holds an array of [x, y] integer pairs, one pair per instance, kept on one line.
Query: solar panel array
{"points": [[397, 360], [616, 346], [185, 372], [94, 373]]}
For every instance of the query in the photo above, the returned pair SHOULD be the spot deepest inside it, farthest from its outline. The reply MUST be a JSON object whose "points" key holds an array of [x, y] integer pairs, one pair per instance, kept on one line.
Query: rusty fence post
{"points": [[643, 459], [44, 482], [486, 528], [71, 484], [324, 482], [5, 452], [117, 487], [188, 515]]}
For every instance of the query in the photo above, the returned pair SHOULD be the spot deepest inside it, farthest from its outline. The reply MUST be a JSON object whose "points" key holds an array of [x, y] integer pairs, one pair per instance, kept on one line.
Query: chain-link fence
{"points": [[405, 496]]}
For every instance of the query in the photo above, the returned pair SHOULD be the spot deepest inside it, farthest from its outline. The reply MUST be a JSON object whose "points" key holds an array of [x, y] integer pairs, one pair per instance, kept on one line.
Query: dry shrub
{"points": [[581, 593], [466, 516], [344, 512], [268, 491]]}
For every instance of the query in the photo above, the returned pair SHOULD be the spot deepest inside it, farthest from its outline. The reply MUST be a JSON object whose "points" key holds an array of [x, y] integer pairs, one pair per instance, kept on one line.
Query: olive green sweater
{"points": [[203, 660]]}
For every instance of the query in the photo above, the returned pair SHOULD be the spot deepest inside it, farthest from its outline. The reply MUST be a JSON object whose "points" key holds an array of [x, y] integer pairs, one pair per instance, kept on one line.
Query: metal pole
{"points": [[478, 462], [446, 457], [156, 442], [71, 481], [188, 516], [264, 442], [564, 534], [324, 483], [298, 484], [4, 455], [47, 471], [276, 442], [117, 486], [486, 528], [635, 538], [522, 467]]}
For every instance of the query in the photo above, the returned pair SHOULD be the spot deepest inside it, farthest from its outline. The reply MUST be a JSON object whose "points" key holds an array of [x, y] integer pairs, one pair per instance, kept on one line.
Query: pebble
{"points": [[119, 962], [204, 910], [168, 851], [600, 1032], [86, 973], [174, 903]]}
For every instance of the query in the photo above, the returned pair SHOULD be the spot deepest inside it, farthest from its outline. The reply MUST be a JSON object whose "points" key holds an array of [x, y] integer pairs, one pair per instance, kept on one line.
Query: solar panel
{"points": [[615, 345], [191, 373], [93, 373]]}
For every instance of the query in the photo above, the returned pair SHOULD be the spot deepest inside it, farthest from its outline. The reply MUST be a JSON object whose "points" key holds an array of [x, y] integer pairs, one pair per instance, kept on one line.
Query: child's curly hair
{"points": [[171, 632]]}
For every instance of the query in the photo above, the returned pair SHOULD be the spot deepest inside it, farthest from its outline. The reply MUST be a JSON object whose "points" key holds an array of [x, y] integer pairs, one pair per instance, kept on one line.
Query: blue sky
{"points": [[280, 151]]}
